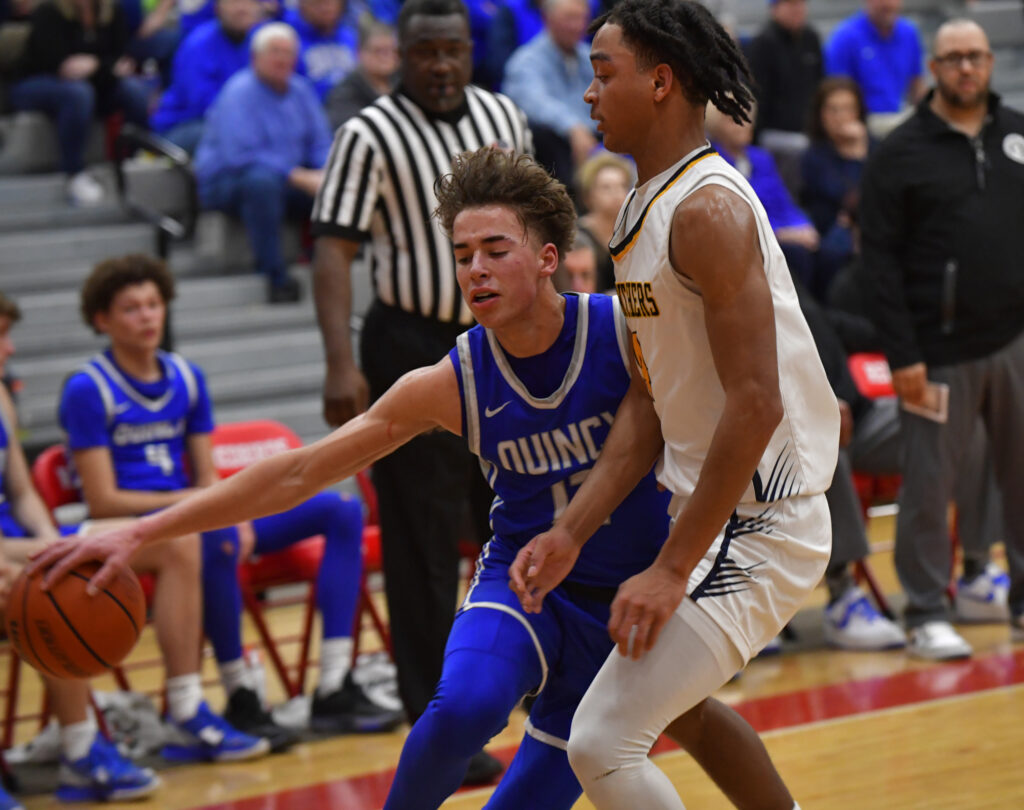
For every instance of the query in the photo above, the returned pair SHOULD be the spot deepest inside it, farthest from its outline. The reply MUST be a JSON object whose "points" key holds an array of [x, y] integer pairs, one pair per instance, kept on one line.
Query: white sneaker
{"points": [[938, 641], [85, 190], [853, 623], [984, 598]]}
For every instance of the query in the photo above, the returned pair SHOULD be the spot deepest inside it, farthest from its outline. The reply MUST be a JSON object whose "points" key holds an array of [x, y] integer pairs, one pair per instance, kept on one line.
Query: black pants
{"points": [[431, 493]]}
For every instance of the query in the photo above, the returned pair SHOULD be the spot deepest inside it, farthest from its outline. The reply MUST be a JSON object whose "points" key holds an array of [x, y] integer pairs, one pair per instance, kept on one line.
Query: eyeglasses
{"points": [[954, 59]]}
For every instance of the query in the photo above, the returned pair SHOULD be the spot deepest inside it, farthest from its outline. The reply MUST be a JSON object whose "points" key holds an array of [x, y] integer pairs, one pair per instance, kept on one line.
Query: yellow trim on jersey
{"points": [[622, 251]]}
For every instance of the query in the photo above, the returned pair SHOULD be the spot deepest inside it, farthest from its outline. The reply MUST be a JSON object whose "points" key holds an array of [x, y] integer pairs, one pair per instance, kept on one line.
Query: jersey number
{"points": [[641, 364], [158, 455], [560, 493]]}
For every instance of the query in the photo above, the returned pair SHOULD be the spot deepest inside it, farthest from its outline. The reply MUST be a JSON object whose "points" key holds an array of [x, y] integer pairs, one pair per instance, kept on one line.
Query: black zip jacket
{"points": [[942, 217]]}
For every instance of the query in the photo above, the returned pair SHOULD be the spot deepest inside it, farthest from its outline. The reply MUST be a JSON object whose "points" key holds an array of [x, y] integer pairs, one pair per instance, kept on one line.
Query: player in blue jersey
{"points": [[91, 767], [533, 389], [134, 416]]}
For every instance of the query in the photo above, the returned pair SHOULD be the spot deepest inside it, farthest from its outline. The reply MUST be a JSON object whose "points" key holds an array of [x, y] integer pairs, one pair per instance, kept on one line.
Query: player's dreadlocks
{"points": [[685, 36]]}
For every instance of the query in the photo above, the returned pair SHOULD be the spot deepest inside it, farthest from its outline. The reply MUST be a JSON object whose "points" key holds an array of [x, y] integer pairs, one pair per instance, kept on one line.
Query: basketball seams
{"points": [[116, 601], [74, 630], [25, 629]]}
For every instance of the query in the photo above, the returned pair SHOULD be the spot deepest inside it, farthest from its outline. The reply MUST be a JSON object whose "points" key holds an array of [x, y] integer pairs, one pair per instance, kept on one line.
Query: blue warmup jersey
{"points": [[5, 443], [536, 451], [143, 424]]}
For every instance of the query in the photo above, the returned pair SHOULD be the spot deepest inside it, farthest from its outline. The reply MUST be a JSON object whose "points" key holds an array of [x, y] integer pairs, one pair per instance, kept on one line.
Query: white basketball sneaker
{"points": [[853, 623], [938, 641], [984, 598]]}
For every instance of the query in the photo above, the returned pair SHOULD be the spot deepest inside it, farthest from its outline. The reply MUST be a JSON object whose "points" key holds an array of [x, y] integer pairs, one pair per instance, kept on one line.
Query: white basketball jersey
{"points": [[665, 314]]}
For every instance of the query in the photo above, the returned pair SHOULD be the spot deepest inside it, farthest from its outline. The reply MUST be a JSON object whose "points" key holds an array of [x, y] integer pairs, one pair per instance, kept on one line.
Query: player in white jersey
{"points": [[730, 400]]}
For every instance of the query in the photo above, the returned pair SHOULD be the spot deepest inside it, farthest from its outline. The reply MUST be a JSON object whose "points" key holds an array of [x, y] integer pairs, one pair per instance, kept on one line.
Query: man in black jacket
{"points": [[942, 213]]}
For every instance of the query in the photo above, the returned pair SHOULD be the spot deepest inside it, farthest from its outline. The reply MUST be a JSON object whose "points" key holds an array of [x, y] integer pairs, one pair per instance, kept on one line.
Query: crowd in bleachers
{"points": [[253, 89]]}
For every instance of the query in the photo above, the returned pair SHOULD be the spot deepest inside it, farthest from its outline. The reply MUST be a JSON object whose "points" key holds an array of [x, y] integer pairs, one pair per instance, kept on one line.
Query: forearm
{"points": [[630, 451], [130, 503], [739, 441], [332, 288], [33, 516]]}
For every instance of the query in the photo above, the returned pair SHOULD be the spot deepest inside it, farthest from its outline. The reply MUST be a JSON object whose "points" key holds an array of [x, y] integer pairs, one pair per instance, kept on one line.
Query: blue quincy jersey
{"points": [[536, 450], [144, 425], [5, 443]]}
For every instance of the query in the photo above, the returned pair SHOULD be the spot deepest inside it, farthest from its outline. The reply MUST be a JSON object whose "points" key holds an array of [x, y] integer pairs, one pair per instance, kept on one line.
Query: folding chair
{"points": [[236, 445]]}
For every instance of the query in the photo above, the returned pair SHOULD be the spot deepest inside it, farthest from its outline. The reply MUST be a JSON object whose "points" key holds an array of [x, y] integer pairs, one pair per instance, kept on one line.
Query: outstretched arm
{"points": [[420, 401]]}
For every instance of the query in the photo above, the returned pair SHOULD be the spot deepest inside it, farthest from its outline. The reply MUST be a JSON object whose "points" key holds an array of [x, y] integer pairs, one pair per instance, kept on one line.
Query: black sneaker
{"points": [[483, 769], [350, 710], [287, 292], [246, 714]]}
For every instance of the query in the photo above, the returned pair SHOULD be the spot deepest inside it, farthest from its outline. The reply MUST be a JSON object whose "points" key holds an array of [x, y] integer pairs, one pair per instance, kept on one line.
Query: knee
{"points": [[220, 549], [465, 720], [342, 513], [587, 750], [181, 557], [79, 99], [268, 184]]}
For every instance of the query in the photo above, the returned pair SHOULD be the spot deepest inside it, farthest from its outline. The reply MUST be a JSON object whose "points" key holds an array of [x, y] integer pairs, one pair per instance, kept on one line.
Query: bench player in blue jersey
{"points": [[533, 389], [91, 768], [134, 417]]}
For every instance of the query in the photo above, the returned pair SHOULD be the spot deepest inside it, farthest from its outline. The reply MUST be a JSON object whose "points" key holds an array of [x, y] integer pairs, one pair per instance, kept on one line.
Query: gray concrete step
{"points": [[28, 250], [68, 334]]}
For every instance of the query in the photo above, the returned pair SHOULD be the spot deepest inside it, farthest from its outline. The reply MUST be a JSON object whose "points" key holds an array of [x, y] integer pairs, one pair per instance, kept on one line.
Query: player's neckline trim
{"points": [[627, 242], [554, 400]]}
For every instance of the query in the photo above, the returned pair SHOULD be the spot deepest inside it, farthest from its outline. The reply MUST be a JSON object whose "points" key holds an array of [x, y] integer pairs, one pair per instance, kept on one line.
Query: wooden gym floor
{"points": [[846, 730]]}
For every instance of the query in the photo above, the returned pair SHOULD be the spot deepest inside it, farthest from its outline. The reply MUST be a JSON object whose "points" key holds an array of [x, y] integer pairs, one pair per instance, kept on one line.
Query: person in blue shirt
{"points": [[265, 141], [327, 50], [547, 77], [91, 768], [792, 227], [133, 415], [534, 389], [882, 52], [209, 56]]}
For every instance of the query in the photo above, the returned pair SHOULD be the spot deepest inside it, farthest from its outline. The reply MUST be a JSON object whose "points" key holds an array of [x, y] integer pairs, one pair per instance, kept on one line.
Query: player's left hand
{"points": [[642, 606], [113, 549]]}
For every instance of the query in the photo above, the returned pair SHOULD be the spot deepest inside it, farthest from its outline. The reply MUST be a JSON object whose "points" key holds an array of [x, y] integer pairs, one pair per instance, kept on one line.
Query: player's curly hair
{"points": [[112, 275], [685, 36], [9, 309], [493, 177]]}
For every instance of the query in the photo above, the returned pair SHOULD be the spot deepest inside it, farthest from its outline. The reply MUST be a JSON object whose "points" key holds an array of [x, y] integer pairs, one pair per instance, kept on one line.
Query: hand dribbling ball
{"points": [[66, 633]]}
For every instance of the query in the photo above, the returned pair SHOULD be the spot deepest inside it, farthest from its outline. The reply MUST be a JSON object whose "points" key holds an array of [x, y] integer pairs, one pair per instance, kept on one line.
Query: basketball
{"points": [[66, 633]]}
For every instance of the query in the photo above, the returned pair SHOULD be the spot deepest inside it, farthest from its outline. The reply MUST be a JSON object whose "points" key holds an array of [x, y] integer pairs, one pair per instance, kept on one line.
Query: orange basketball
{"points": [[66, 633]]}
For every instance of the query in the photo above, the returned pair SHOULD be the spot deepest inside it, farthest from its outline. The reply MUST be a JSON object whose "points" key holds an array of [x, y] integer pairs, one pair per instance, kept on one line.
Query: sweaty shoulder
{"points": [[712, 227]]}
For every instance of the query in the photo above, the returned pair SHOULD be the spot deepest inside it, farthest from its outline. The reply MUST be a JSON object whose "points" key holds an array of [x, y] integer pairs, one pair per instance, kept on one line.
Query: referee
{"points": [[379, 188]]}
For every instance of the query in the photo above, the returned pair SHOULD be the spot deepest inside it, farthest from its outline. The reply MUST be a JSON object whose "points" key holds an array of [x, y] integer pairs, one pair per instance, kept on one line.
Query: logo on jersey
{"points": [[637, 299], [126, 433], [553, 450], [489, 413]]}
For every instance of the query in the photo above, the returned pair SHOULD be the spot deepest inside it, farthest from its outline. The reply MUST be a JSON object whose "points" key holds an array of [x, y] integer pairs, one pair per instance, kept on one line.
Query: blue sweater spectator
{"points": [[758, 166], [211, 55], [328, 45], [883, 54], [548, 83], [264, 143]]}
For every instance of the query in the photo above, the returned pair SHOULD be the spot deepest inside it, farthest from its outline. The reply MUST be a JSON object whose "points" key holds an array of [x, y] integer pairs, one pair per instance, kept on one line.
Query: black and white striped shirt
{"points": [[379, 185]]}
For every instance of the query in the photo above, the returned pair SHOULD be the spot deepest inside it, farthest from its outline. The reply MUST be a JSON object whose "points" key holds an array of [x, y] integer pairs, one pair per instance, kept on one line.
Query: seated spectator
{"points": [[264, 143], [514, 23], [831, 167], [547, 78], [796, 235], [131, 464], [604, 182], [579, 268], [882, 52], [327, 53], [74, 68], [786, 61], [208, 57], [91, 768], [375, 74], [154, 35]]}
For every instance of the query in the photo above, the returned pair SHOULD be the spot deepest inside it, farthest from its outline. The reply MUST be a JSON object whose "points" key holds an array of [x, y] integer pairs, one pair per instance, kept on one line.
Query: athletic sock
{"points": [[235, 674], [335, 662], [184, 694], [76, 739]]}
